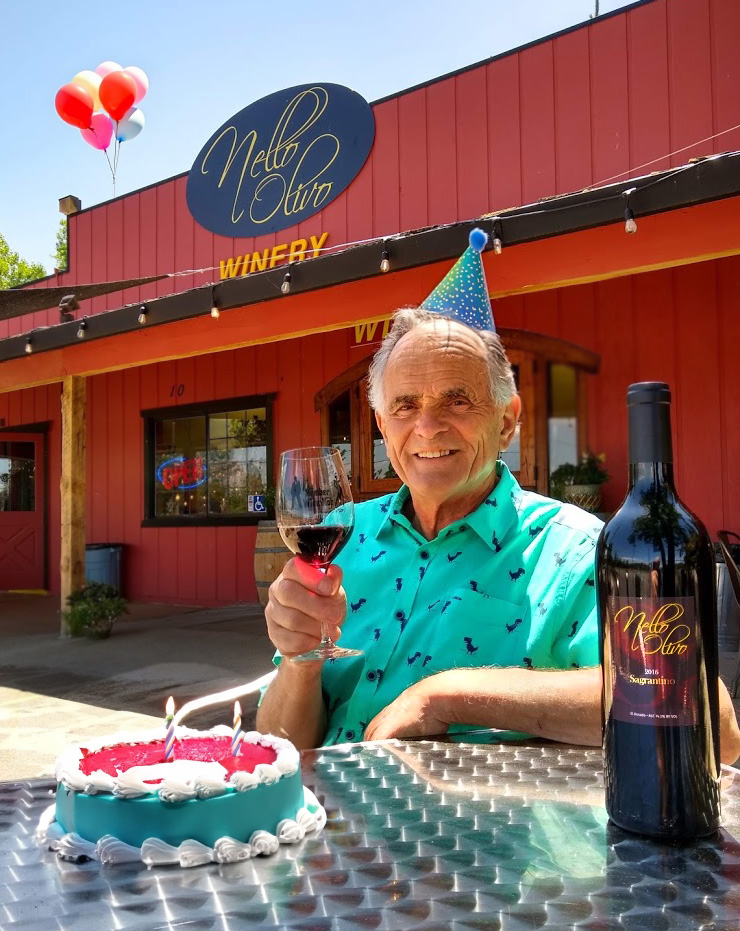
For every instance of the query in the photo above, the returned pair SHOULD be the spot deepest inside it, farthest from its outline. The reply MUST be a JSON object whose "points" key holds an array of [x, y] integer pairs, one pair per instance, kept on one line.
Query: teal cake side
{"points": [[234, 814]]}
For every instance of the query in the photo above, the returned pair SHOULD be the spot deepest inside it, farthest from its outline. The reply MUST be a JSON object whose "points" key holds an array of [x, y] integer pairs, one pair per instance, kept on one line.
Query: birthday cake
{"points": [[118, 799]]}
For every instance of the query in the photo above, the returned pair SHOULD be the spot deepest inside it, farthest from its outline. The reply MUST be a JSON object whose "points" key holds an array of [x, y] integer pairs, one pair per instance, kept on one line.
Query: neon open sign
{"points": [[182, 473]]}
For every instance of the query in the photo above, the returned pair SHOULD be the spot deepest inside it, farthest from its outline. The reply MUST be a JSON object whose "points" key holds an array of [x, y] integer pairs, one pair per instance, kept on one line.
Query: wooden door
{"points": [[22, 508]]}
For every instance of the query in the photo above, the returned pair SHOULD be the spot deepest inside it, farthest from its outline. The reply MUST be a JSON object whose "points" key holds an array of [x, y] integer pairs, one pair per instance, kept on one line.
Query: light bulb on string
{"points": [[498, 246], [29, 345], [285, 286], [630, 224], [215, 312], [81, 329], [385, 262], [143, 314]]}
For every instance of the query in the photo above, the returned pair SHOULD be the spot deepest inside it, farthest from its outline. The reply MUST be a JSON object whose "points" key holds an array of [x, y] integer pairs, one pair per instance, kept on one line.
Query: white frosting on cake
{"points": [[155, 852], [180, 779]]}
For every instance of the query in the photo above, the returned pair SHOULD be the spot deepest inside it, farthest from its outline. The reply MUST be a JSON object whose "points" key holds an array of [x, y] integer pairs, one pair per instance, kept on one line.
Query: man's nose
{"points": [[429, 423]]}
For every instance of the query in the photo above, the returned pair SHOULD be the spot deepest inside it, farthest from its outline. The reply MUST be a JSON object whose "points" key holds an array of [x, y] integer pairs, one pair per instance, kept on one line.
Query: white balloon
{"points": [[141, 80], [105, 67], [131, 125]]}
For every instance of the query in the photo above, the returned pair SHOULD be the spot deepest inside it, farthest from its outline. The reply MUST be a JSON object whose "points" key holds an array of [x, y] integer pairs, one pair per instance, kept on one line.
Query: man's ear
{"points": [[510, 419], [379, 422]]}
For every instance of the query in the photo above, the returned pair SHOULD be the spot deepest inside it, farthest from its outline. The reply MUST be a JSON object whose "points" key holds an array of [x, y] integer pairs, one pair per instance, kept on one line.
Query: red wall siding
{"points": [[569, 112]]}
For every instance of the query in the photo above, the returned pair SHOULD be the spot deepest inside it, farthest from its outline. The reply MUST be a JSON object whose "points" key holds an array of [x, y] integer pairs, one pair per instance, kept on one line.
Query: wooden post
{"points": [[72, 485]]}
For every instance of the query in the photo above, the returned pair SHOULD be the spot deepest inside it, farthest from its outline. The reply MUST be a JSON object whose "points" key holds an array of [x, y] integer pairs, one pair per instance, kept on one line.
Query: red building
{"points": [[621, 102]]}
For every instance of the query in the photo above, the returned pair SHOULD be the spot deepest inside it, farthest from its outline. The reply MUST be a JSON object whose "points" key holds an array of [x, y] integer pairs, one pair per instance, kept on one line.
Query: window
{"points": [[562, 420], [17, 477], [340, 432], [209, 464]]}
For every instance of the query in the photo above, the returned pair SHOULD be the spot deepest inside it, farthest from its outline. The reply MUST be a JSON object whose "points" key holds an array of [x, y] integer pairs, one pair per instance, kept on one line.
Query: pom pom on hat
{"points": [[478, 239]]}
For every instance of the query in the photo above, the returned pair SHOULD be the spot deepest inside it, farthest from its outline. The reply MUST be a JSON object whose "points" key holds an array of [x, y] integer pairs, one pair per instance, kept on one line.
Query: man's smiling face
{"points": [[440, 425]]}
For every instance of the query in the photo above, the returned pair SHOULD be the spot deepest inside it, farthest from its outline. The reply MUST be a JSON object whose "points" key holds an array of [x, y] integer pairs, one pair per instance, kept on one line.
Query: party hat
{"points": [[462, 293]]}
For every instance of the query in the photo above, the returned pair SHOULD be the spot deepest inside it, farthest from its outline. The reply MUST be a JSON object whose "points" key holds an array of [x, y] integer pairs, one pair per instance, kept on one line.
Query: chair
{"points": [[733, 573]]}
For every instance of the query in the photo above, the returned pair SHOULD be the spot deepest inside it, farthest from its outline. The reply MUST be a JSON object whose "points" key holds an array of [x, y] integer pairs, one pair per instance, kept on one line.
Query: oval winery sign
{"points": [[280, 160]]}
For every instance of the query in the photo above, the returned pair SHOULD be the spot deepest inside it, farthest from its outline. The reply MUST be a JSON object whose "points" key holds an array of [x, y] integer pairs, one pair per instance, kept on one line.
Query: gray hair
{"points": [[500, 376]]}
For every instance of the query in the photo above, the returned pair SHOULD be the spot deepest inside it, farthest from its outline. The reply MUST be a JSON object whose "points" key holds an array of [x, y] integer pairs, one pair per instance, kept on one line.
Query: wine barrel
{"points": [[270, 555]]}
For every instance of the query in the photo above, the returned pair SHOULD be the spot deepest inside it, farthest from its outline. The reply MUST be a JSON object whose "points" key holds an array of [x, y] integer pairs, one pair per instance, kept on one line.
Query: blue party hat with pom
{"points": [[462, 294]]}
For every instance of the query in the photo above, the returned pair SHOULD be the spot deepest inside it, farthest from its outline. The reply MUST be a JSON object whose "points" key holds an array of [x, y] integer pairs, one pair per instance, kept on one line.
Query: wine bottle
{"points": [[658, 617]]}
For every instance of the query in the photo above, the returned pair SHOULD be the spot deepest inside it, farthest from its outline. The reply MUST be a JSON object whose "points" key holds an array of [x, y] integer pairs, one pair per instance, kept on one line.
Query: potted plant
{"points": [[93, 609], [580, 484]]}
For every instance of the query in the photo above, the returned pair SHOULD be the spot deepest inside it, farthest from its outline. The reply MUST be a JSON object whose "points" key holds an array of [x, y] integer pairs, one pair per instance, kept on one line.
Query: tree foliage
{"points": [[60, 252], [14, 270]]}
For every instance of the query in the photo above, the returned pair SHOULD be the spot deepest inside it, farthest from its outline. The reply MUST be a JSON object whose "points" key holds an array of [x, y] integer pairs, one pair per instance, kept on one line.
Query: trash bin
{"points": [[728, 610], [103, 563]]}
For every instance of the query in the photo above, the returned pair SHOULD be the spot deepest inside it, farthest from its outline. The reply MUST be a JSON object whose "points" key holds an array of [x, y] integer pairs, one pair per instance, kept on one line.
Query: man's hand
{"points": [[729, 733], [300, 600], [414, 713]]}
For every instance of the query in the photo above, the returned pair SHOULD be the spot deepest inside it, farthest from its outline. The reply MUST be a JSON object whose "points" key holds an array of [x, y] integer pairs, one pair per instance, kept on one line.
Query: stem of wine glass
{"points": [[326, 640]]}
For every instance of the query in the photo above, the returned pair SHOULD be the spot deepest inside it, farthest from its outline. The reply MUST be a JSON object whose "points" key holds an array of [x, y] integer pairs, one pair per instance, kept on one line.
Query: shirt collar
{"points": [[491, 520]]}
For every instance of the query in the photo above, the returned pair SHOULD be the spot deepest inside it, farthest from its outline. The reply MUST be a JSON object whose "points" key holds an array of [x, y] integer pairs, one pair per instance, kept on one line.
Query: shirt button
{"points": [[350, 735], [400, 615], [424, 554], [371, 676]]}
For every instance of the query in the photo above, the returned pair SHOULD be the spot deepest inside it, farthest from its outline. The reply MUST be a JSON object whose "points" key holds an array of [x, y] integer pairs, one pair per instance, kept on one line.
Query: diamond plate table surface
{"points": [[421, 834]]}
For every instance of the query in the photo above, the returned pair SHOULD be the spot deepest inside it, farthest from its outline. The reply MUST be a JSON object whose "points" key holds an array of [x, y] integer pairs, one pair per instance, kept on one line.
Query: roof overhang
{"points": [[685, 215]]}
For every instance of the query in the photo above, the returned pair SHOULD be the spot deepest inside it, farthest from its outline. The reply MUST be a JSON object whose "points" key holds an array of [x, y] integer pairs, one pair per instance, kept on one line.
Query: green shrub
{"points": [[93, 609], [589, 471]]}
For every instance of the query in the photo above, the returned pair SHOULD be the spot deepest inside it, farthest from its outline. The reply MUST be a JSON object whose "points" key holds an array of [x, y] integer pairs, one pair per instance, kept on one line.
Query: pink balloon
{"points": [[105, 67], [140, 79], [100, 132]]}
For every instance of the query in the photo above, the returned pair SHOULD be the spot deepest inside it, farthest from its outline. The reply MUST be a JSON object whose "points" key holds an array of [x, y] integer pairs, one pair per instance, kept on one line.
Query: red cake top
{"points": [[122, 757]]}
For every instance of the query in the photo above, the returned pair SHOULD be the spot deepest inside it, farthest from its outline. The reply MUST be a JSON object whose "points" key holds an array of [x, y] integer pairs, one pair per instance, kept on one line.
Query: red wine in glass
{"points": [[315, 516], [317, 545]]}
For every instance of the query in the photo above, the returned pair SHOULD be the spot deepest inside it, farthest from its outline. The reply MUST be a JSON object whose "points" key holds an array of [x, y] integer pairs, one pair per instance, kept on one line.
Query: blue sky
{"points": [[206, 61]]}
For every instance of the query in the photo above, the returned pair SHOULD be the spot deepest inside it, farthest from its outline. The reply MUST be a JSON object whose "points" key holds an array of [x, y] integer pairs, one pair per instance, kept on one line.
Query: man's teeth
{"points": [[444, 452]]}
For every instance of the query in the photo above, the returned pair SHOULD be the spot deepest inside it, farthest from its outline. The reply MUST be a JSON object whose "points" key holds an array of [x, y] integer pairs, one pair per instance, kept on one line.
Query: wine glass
{"points": [[315, 516]]}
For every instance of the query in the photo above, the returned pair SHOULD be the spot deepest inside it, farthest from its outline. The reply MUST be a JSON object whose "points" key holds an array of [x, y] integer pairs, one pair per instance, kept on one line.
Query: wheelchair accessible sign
{"points": [[256, 504]]}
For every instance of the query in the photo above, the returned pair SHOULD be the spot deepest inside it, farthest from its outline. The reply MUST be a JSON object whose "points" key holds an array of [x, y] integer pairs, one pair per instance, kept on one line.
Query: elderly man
{"points": [[472, 599]]}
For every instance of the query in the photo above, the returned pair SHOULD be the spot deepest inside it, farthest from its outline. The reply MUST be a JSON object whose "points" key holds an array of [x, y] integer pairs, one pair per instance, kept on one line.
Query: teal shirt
{"points": [[511, 584]]}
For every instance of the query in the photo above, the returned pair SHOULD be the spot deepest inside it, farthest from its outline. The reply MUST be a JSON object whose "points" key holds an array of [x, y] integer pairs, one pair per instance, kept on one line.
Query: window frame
{"points": [[152, 416]]}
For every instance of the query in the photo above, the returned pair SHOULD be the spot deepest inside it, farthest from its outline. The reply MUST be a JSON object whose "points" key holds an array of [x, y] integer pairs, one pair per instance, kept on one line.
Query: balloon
{"points": [[91, 82], [105, 67], [100, 132], [117, 93], [130, 126], [74, 105], [142, 81]]}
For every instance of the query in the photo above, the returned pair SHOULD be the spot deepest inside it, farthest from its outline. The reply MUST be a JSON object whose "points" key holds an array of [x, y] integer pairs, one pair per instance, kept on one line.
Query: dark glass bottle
{"points": [[658, 616]]}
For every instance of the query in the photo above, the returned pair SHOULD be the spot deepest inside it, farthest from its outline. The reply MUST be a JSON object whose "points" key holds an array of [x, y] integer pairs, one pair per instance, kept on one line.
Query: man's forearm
{"points": [[293, 706], [560, 705]]}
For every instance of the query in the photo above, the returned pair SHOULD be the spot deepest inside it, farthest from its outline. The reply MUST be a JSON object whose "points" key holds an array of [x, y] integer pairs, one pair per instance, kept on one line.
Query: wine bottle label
{"points": [[653, 665]]}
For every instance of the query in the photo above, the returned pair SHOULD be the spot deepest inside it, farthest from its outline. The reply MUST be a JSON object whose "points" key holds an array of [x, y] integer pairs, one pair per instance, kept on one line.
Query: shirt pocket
{"points": [[473, 629]]}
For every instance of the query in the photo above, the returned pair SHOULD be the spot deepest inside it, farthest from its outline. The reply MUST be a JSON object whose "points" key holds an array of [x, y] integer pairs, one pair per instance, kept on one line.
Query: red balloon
{"points": [[74, 105], [117, 93]]}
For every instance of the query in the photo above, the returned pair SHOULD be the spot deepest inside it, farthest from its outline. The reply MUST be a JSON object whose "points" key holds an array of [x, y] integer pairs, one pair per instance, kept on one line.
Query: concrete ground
{"points": [[57, 691]]}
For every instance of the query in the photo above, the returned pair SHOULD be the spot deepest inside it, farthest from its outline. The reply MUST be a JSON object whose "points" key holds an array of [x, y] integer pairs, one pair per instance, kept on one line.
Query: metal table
{"points": [[420, 835]]}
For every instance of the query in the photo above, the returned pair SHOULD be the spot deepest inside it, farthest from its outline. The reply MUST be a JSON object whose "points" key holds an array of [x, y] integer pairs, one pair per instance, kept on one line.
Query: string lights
{"points": [[215, 312], [143, 314], [29, 345], [630, 224], [81, 328]]}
